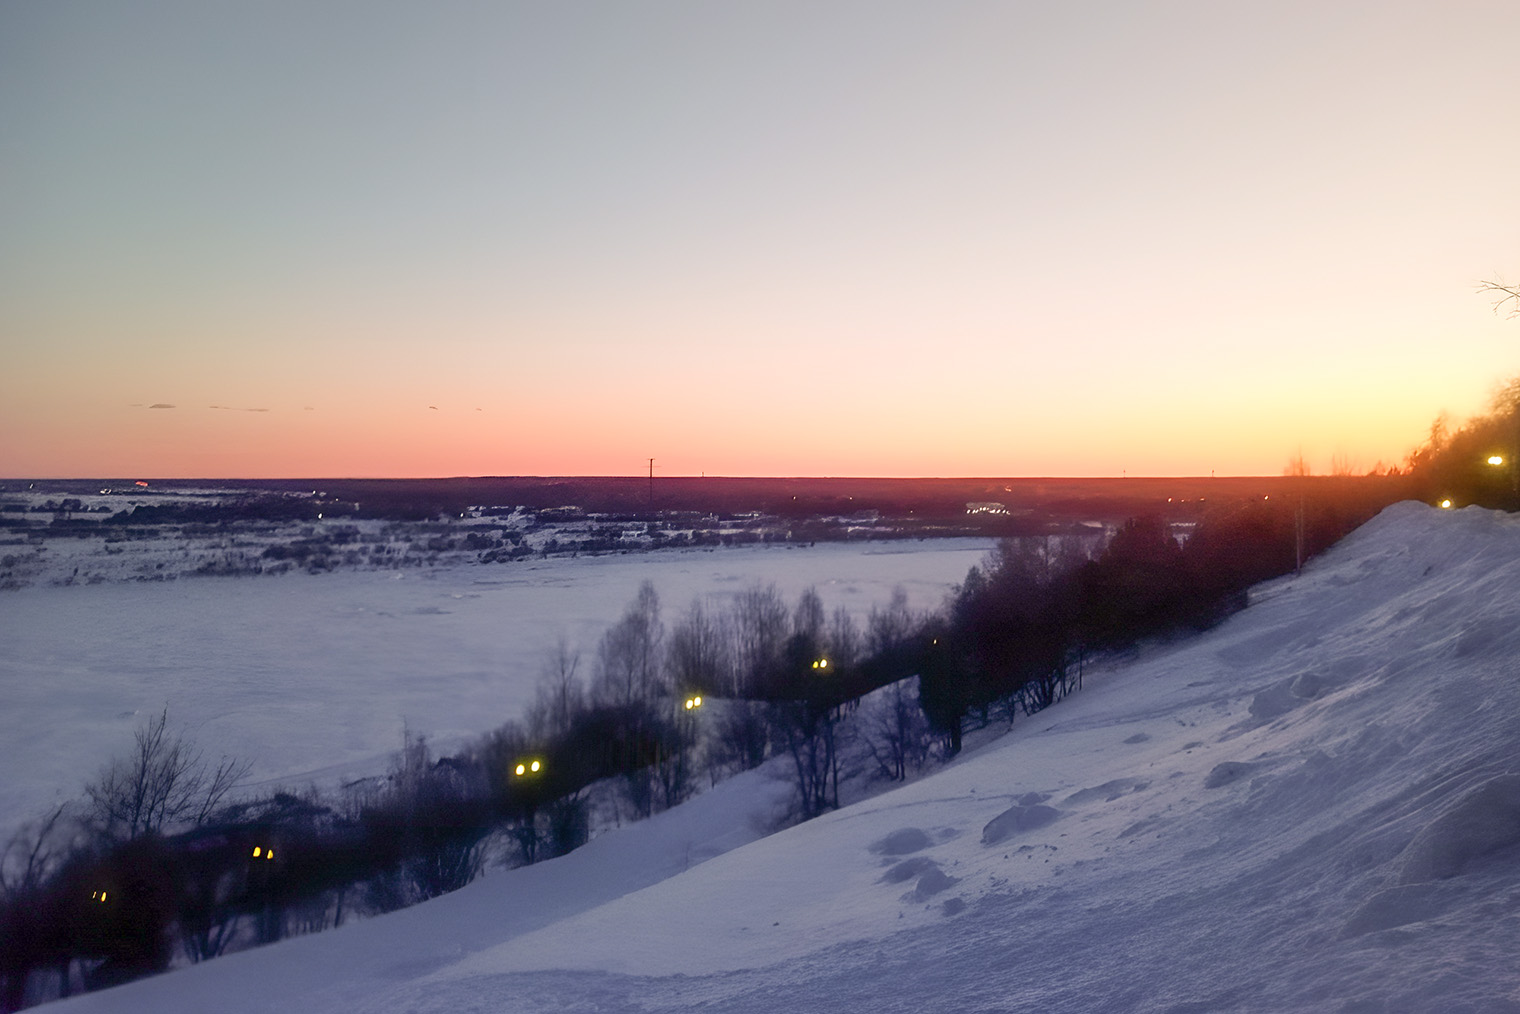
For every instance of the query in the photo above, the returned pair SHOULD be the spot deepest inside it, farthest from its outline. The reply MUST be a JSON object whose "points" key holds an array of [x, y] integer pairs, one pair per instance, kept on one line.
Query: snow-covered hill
{"points": [[1315, 807]]}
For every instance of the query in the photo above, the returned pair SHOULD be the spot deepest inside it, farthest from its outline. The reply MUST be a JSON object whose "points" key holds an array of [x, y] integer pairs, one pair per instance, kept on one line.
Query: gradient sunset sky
{"points": [[822, 238]]}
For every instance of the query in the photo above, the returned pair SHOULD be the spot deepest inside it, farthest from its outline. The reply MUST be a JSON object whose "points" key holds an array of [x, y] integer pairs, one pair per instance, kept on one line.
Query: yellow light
{"points": [[534, 765], [1446, 505], [1496, 459], [257, 852], [688, 704], [696, 702], [522, 769], [269, 853]]}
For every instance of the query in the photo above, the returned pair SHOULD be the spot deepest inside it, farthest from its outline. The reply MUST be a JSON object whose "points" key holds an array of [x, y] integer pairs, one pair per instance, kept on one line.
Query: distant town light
{"points": [[693, 702], [1446, 505], [822, 663], [1496, 459]]}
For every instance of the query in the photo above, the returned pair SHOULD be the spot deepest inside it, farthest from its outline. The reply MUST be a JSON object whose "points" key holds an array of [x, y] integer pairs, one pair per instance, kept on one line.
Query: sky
{"points": [[851, 238]]}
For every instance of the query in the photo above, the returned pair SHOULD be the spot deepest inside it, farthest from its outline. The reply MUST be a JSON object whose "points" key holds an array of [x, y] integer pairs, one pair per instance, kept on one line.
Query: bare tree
{"points": [[843, 640], [738, 740], [697, 656], [1343, 463], [895, 731], [164, 780], [808, 619], [435, 810], [36, 851], [1503, 295], [887, 628], [629, 655], [560, 695], [807, 732], [759, 628]]}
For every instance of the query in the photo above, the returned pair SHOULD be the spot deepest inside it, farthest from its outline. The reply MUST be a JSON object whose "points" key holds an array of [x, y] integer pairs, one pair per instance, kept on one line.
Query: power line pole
{"points": [[651, 482]]}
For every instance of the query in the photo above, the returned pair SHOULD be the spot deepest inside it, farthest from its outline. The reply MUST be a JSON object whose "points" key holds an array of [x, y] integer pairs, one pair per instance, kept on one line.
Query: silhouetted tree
{"points": [[163, 781]]}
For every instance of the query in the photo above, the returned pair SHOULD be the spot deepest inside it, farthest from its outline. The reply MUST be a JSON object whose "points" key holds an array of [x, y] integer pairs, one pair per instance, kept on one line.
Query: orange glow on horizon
{"points": [[186, 443]]}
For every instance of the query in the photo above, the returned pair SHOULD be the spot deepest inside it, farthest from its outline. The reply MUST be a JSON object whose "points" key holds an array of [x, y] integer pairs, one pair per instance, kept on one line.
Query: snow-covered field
{"points": [[1314, 807], [311, 677]]}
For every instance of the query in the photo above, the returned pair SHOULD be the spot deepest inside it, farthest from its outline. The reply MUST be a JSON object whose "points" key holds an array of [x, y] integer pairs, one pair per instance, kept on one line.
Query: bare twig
{"points": [[1503, 294]]}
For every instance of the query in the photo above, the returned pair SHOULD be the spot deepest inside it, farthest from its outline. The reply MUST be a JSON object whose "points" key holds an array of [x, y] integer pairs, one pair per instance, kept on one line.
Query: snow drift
{"points": [[1314, 807]]}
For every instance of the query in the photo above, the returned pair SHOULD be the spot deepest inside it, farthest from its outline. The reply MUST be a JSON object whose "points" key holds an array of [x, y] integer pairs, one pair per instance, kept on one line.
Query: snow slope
{"points": [[1315, 807]]}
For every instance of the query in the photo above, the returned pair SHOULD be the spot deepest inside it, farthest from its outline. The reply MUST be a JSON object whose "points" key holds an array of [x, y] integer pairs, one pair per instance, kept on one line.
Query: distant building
{"points": [[987, 507]]}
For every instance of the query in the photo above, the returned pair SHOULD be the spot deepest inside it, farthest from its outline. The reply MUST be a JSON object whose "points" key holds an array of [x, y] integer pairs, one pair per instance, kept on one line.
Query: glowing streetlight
{"points": [[99, 896], [822, 663], [1445, 505], [693, 702], [262, 853], [1496, 459], [525, 768]]}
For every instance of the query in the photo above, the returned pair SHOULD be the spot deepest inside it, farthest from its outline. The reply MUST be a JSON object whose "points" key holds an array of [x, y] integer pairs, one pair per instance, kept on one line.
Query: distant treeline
{"points": [[1475, 463], [159, 857]]}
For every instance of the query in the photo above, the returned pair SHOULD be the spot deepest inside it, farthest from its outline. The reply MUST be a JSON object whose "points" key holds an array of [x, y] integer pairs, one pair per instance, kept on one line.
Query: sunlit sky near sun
{"points": [[783, 238]]}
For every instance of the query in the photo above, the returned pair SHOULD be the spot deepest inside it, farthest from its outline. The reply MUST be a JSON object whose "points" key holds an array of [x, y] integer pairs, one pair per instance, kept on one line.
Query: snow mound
{"points": [[1397, 906], [1018, 819], [1483, 821], [903, 841]]}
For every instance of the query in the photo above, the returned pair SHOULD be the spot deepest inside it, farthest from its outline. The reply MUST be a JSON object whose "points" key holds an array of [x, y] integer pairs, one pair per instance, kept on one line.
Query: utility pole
{"points": [[651, 482]]}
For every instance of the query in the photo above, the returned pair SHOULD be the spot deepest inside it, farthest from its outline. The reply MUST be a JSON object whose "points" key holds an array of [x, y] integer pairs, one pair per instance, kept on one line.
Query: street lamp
{"points": [[1445, 505], [693, 702], [822, 663], [1499, 461], [528, 767]]}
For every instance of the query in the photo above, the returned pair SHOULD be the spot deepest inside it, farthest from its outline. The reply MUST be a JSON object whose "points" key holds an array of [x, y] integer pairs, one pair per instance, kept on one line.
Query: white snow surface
{"points": [[1314, 807], [312, 677]]}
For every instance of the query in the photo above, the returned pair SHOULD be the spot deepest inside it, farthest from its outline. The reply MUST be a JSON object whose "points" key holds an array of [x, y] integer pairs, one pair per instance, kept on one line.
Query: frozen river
{"points": [[312, 677]]}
